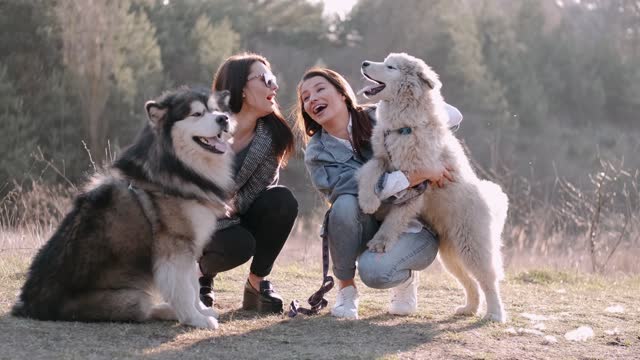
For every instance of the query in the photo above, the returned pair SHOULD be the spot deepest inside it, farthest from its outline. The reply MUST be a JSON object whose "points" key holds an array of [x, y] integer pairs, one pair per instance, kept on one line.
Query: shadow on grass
{"points": [[23, 338], [319, 337], [242, 335]]}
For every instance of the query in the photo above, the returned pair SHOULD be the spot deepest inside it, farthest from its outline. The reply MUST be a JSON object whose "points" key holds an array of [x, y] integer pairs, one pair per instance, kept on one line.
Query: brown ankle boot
{"points": [[266, 300]]}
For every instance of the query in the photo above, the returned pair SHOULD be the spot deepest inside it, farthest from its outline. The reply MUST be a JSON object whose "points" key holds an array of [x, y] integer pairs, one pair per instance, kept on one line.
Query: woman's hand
{"points": [[437, 177]]}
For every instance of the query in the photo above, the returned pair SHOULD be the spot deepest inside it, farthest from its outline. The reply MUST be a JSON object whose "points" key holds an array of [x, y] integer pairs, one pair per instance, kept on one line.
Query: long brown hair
{"points": [[232, 75], [360, 123]]}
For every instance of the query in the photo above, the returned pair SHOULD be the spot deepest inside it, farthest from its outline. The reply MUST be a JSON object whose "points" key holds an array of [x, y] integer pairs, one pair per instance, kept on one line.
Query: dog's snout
{"points": [[222, 120], [365, 64]]}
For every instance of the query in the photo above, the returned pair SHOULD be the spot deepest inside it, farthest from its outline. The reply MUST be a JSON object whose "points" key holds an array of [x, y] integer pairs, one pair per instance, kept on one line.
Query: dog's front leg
{"points": [[394, 224], [368, 176], [173, 276]]}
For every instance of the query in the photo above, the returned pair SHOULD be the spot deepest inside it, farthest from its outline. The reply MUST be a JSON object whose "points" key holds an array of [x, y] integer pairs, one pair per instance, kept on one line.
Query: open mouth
{"points": [[371, 90], [271, 97], [318, 109], [214, 144]]}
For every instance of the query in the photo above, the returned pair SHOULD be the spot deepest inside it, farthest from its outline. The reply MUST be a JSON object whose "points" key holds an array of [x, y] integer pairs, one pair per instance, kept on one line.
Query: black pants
{"points": [[263, 230]]}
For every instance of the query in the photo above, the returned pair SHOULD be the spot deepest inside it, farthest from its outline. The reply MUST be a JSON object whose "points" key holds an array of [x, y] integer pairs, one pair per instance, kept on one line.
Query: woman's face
{"points": [[257, 95], [321, 100]]}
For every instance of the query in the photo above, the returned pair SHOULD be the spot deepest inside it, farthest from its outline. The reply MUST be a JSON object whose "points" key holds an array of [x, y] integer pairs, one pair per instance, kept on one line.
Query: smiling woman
{"points": [[262, 213], [317, 92]]}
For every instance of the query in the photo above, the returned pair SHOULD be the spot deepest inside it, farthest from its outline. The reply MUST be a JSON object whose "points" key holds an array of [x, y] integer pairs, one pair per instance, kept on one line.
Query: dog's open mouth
{"points": [[373, 89], [214, 144]]}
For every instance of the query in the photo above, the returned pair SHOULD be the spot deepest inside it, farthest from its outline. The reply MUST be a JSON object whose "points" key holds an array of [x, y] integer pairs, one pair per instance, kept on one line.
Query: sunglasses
{"points": [[268, 78]]}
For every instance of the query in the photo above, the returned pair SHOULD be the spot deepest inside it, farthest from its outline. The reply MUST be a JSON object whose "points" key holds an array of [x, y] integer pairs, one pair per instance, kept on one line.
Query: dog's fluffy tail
{"points": [[498, 205]]}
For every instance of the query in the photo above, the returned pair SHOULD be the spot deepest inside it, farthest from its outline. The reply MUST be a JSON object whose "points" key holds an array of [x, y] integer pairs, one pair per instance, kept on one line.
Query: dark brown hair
{"points": [[360, 123], [232, 75]]}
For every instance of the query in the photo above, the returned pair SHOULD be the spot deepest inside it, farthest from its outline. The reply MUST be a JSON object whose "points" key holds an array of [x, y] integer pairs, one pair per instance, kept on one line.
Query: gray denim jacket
{"points": [[332, 166]]}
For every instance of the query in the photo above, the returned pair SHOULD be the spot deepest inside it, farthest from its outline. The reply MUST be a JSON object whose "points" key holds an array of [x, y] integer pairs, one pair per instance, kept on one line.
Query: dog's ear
{"points": [[155, 113], [223, 98], [425, 78]]}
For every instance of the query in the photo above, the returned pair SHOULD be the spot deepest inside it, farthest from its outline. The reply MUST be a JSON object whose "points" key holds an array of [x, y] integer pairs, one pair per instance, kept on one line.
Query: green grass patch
{"points": [[545, 277]]}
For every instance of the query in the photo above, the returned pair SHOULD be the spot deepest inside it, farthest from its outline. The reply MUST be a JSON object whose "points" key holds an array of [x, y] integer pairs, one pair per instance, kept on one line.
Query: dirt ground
{"points": [[544, 306]]}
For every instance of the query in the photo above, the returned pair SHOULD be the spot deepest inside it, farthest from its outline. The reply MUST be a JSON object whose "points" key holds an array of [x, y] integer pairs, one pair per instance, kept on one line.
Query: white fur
{"points": [[174, 278], [176, 275], [203, 220], [468, 214]]}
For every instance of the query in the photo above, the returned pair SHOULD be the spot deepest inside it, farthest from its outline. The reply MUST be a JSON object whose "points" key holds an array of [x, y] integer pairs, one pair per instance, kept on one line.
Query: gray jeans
{"points": [[349, 230]]}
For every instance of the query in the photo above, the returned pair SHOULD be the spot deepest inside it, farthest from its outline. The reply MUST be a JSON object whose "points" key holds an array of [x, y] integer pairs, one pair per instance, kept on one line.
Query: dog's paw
{"points": [[207, 311], [202, 322], [212, 323], [369, 204], [377, 244], [375, 247], [466, 311], [497, 317]]}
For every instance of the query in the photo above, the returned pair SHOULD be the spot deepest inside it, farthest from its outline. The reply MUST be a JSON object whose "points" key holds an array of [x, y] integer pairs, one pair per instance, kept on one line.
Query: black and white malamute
{"points": [[138, 229]]}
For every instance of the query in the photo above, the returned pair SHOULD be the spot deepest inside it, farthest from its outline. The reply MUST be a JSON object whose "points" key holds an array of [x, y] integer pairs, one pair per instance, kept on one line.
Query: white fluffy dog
{"points": [[468, 214]]}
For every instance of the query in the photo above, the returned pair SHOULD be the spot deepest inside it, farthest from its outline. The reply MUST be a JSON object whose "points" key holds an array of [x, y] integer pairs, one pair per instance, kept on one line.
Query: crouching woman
{"points": [[338, 130]]}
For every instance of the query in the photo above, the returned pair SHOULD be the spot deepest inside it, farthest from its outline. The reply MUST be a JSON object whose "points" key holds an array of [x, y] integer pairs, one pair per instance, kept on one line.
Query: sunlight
{"points": [[339, 7]]}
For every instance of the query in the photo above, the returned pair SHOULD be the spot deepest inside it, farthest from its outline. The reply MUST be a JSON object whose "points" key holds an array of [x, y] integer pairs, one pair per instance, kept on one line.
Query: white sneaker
{"points": [[404, 297], [346, 305]]}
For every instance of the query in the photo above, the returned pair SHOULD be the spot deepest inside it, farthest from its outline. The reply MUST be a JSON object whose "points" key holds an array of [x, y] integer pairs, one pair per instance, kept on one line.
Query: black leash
{"points": [[317, 300]]}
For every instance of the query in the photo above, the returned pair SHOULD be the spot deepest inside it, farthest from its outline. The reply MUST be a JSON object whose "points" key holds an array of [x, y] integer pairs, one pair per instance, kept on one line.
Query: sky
{"points": [[341, 7]]}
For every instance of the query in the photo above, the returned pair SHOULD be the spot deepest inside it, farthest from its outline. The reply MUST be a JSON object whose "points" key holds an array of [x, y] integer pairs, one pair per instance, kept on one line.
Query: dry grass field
{"points": [[550, 292], [543, 305]]}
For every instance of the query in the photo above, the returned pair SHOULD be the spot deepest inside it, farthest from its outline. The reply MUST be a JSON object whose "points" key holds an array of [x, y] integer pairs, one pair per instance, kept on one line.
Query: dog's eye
{"points": [[390, 67], [197, 114]]}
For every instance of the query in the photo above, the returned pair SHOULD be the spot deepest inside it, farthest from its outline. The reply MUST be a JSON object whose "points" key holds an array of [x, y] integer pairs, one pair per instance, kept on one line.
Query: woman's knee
{"points": [[373, 273], [277, 201], [228, 248], [412, 252]]}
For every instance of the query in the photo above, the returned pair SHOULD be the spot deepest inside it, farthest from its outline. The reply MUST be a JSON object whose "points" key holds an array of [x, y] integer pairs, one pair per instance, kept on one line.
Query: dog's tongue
{"points": [[218, 144], [367, 88]]}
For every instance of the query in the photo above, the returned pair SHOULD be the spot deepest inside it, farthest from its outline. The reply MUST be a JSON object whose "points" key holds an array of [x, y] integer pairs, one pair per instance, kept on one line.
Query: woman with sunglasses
{"points": [[338, 130], [262, 213]]}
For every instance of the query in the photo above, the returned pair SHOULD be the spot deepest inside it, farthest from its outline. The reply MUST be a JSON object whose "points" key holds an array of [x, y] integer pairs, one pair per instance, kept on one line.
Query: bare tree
{"points": [[105, 47], [89, 52]]}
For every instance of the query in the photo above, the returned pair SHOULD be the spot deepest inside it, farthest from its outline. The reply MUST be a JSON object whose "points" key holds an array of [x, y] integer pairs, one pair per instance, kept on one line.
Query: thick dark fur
{"points": [[65, 268], [129, 235]]}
